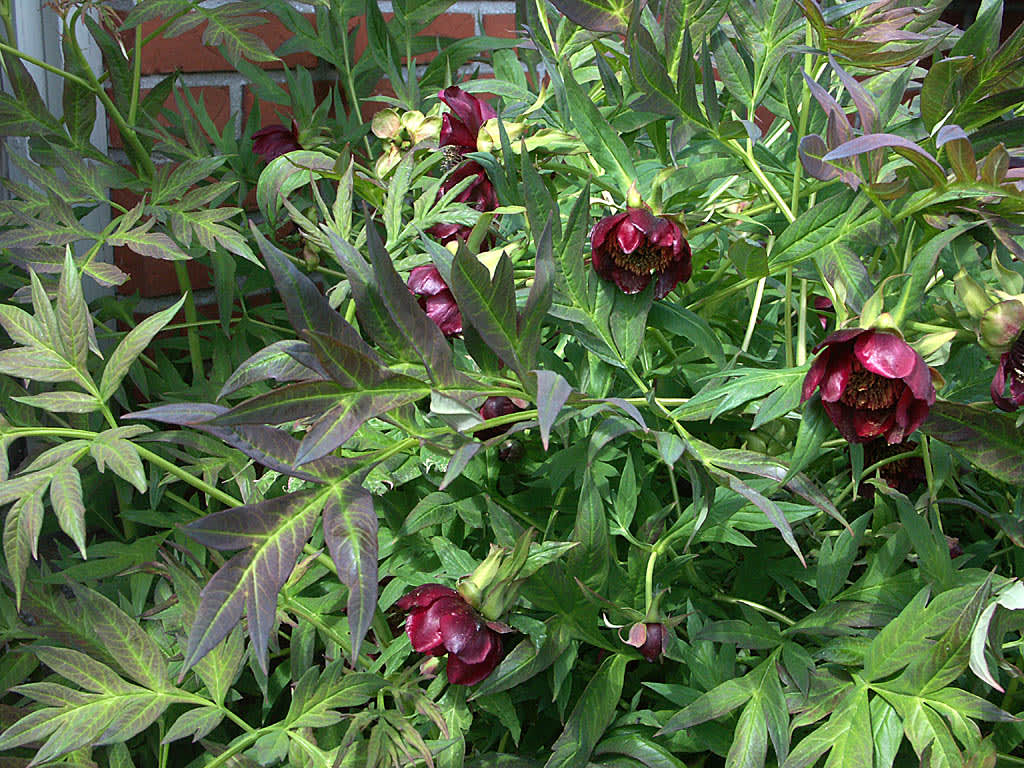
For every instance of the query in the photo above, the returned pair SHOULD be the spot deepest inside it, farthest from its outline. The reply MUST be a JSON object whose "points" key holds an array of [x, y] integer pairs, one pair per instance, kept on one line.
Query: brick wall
{"points": [[228, 97]]}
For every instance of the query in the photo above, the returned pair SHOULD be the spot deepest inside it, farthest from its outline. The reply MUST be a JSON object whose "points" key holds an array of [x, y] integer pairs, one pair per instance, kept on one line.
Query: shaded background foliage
{"points": [[205, 547]]}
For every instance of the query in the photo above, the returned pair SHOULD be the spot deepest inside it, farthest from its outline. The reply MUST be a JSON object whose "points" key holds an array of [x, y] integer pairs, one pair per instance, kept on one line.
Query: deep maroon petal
{"points": [[643, 220], [423, 596], [465, 636], [461, 673], [467, 108], [919, 381], [885, 354], [836, 377], [675, 273], [871, 424], [455, 133], [426, 281], [815, 374], [603, 228], [630, 282], [841, 337], [842, 417], [998, 385], [443, 310], [666, 234], [628, 237], [1016, 390], [424, 631], [274, 141]]}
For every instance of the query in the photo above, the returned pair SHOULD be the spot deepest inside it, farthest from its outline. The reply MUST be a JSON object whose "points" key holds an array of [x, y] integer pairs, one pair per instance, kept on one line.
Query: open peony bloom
{"points": [[275, 140], [440, 622], [436, 299], [873, 384], [461, 126], [649, 638], [1011, 367], [635, 247]]}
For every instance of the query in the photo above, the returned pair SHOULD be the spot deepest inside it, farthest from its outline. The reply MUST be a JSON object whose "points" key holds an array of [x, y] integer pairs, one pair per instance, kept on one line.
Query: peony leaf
{"points": [[908, 149], [250, 580], [597, 15], [131, 346], [988, 440], [538, 302], [350, 532], [591, 716], [552, 392], [276, 361]]}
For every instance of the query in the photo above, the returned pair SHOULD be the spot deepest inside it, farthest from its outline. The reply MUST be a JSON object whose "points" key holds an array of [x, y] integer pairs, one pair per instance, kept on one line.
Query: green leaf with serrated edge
{"points": [[196, 723], [155, 245], [590, 717], [135, 652], [538, 301], [342, 421], [61, 402], [227, 28], [252, 578], [835, 733], [540, 205], [317, 696], [770, 509], [926, 731], [275, 361], [834, 567], [84, 671], [131, 346], [601, 139], [969, 705], [350, 532], [719, 701], [948, 657], [122, 457], [552, 392], [841, 266], [22, 327], [66, 498], [648, 70], [988, 440], [21, 536], [38, 364], [488, 303], [833, 225]]}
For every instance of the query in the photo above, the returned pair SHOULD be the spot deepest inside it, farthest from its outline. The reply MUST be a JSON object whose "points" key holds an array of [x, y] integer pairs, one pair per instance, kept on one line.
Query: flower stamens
{"points": [[645, 260], [867, 390]]}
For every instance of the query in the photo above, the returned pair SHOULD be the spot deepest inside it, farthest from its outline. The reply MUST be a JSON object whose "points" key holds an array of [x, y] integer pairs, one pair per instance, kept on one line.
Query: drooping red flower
{"points": [[479, 195], [904, 474], [823, 305], [634, 247], [440, 622], [873, 384], [275, 140], [461, 126], [436, 299], [494, 407], [1011, 367], [650, 638]]}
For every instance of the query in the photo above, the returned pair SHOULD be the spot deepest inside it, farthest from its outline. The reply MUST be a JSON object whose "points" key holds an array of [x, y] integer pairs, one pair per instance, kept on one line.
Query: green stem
{"points": [[929, 474], [182, 474], [195, 352], [750, 161], [649, 580], [801, 326], [241, 743], [752, 320], [757, 607], [788, 316], [133, 106]]}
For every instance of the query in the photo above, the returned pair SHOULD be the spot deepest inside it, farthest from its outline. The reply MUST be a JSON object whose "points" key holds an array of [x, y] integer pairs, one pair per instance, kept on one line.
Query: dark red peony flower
{"points": [[823, 305], [441, 622], [650, 638], [904, 474], [494, 407], [1011, 366], [436, 299], [460, 127], [275, 140], [873, 384], [634, 247]]}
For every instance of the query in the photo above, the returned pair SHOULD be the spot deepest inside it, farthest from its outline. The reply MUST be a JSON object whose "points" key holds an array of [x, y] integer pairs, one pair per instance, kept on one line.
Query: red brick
{"points": [[215, 98], [187, 53], [500, 25]]}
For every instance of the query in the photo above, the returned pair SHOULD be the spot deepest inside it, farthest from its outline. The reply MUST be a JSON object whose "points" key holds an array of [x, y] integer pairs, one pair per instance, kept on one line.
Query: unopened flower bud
{"points": [[473, 587], [386, 124], [490, 135], [649, 638], [1001, 324], [972, 294]]}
